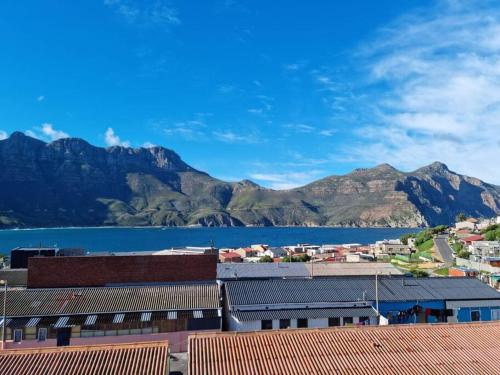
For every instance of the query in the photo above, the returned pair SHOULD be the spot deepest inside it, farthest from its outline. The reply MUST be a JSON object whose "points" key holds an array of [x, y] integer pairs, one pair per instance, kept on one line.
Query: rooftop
{"points": [[347, 289], [260, 270], [138, 358], [68, 301], [352, 269], [401, 349]]}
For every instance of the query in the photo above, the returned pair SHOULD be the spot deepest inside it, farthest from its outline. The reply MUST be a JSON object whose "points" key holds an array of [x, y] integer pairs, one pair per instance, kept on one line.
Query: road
{"points": [[444, 250]]}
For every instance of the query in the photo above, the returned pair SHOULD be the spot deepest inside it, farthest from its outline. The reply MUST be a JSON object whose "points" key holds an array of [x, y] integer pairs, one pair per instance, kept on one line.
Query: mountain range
{"points": [[69, 182]]}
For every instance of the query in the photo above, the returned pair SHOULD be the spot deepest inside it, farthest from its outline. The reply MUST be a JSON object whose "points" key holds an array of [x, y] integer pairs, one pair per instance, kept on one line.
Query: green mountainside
{"points": [[69, 182]]}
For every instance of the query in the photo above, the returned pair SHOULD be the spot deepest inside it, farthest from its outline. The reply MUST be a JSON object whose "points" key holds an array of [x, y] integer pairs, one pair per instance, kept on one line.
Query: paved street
{"points": [[444, 250]]}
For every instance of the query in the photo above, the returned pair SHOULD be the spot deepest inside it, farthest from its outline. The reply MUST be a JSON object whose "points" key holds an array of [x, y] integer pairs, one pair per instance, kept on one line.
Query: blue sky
{"points": [[279, 92]]}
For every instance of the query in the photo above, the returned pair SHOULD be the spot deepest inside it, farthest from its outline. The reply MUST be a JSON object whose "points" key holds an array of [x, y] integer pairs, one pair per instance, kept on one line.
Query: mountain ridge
{"points": [[69, 182]]}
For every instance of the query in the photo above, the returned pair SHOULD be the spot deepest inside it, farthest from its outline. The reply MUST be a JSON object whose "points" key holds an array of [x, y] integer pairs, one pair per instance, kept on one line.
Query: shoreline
{"points": [[204, 227]]}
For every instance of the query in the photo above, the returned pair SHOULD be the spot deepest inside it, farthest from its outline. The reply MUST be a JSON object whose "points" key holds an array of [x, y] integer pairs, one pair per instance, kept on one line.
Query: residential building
{"points": [[104, 315], [462, 272], [470, 239], [391, 247], [481, 250], [230, 257], [113, 359], [319, 302], [260, 247], [275, 252], [246, 252], [470, 225], [407, 349]]}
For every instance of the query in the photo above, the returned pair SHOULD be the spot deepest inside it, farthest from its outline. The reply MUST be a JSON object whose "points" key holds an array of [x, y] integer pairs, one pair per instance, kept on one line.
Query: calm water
{"points": [[137, 239]]}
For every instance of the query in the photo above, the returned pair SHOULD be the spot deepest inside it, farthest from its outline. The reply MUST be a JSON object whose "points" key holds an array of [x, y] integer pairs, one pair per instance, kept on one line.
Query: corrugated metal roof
{"points": [[67, 301], [245, 316], [413, 349], [235, 271], [267, 292], [351, 269], [112, 359]]}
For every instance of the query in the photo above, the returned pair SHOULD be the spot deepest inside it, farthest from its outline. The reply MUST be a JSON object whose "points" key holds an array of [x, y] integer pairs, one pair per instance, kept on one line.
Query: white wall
{"points": [[256, 325]]}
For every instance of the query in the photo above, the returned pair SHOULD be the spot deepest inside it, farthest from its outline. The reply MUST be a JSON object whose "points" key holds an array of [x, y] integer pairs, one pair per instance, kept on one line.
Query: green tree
{"points": [[405, 237], [299, 258], [266, 259], [460, 217], [464, 254], [418, 273]]}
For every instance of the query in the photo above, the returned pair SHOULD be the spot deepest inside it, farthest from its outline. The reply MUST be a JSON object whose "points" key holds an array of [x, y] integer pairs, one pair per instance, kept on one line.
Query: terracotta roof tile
{"points": [[411, 349]]}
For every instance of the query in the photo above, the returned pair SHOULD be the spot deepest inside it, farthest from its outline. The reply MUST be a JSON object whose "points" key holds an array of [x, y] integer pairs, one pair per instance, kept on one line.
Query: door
{"points": [[495, 314], [63, 336]]}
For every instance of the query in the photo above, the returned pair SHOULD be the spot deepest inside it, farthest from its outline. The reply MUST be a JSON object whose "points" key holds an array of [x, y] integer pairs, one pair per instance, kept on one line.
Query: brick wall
{"points": [[102, 270]]}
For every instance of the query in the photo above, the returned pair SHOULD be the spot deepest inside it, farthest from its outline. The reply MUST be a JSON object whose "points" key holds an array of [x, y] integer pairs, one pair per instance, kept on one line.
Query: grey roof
{"points": [[340, 289], [67, 301], [243, 316], [351, 269], [15, 277], [234, 271]]}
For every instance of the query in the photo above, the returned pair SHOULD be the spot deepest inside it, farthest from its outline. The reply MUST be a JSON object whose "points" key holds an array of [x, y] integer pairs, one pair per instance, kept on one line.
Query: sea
{"points": [[159, 238]]}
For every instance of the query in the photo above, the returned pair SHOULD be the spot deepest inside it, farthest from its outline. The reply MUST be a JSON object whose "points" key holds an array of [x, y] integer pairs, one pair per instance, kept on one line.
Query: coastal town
{"points": [[185, 305]]}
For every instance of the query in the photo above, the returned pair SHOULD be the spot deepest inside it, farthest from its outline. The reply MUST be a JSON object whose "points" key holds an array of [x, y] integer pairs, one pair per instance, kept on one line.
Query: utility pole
{"points": [[376, 295], [4, 312]]}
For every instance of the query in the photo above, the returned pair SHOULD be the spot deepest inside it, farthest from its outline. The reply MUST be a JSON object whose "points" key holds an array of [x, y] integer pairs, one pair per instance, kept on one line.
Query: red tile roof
{"points": [[112, 359], [230, 255], [476, 237], [403, 349]]}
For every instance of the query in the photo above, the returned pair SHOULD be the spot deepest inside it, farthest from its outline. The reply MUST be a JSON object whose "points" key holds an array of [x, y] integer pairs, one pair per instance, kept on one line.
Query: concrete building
{"points": [[484, 249], [391, 247], [322, 302], [88, 316], [254, 305], [230, 257]]}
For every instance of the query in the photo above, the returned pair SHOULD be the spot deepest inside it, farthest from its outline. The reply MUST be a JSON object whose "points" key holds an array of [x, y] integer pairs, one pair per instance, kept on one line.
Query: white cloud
{"points": [[191, 129], [46, 132], [112, 139], [441, 70], [40, 98], [53, 134], [300, 128], [229, 136], [3, 135], [287, 180], [145, 13], [148, 145]]}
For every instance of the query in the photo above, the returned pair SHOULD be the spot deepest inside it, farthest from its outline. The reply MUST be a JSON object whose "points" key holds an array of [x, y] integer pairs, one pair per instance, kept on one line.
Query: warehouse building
{"points": [[84, 316], [324, 302]]}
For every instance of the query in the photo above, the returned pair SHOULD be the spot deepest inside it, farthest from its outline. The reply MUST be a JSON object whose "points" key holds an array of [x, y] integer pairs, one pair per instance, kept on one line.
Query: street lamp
{"points": [[4, 282]]}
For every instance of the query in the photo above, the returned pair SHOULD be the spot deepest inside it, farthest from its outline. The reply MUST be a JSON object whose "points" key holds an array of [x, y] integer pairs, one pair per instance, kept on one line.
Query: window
{"points": [[364, 320], [267, 324], [18, 335], [333, 322], [284, 323], [301, 323], [42, 334], [347, 321], [475, 315]]}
